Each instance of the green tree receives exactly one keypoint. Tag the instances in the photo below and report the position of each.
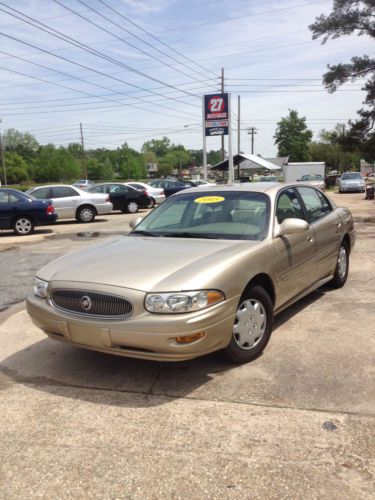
(352, 17)
(292, 137)
(99, 170)
(13, 138)
(130, 163)
(158, 146)
(55, 165)
(16, 168)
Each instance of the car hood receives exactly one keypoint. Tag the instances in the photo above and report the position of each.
(148, 264)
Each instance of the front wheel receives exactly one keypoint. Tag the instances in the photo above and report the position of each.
(252, 326)
(342, 267)
(23, 226)
(86, 214)
(131, 207)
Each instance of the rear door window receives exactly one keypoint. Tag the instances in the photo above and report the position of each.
(42, 193)
(63, 192)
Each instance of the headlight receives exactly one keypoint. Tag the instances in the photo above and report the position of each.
(40, 287)
(180, 302)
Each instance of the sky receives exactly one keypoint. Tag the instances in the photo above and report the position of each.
(135, 70)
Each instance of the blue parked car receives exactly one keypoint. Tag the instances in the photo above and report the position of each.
(21, 212)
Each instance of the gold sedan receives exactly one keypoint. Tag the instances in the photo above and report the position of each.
(206, 270)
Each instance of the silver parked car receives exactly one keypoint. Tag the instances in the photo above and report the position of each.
(84, 184)
(73, 203)
(156, 194)
(206, 270)
(315, 180)
(351, 181)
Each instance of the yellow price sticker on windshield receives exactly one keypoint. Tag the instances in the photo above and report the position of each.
(209, 199)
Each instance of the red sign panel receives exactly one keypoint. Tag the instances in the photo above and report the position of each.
(216, 114)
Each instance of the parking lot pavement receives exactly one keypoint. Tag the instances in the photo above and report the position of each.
(116, 222)
(299, 422)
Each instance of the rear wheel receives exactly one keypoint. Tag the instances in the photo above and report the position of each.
(342, 267)
(252, 326)
(131, 207)
(151, 204)
(23, 226)
(85, 214)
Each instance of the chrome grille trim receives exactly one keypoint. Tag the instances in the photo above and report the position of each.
(104, 305)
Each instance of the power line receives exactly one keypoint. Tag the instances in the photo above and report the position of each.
(267, 12)
(83, 80)
(83, 92)
(119, 38)
(97, 71)
(86, 48)
(154, 37)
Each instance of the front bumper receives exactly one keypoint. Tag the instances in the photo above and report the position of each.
(144, 335)
(355, 188)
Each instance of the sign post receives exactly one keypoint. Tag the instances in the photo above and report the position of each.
(216, 122)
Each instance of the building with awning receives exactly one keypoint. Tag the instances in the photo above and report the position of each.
(244, 162)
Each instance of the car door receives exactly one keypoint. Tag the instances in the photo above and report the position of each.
(296, 253)
(119, 195)
(6, 210)
(41, 193)
(327, 228)
(65, 200)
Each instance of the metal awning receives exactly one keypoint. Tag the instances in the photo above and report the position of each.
(247, 161)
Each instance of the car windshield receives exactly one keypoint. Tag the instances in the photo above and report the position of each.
(221, 214)
(351, 175)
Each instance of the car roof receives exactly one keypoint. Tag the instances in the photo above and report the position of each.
(53, 185)
(269, 188)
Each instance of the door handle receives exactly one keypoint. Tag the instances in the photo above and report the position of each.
(310, 239)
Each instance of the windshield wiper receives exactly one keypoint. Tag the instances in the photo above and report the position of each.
(144, 233)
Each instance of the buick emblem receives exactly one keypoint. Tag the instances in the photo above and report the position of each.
(85, 302)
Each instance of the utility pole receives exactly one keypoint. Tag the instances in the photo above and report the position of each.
(239, 126)
(83, 153)
(222, 137)
(179, 158)
(2, 159)
(252, 131)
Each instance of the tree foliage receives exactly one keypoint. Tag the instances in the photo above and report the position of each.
(12, 139)
(27, 161)
(292, 137)
(352, 17)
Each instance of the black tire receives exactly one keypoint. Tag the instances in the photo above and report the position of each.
(152, 203)
(131, 207)
(86, 214)
(246, 347)
(342, 267)
(23, 226)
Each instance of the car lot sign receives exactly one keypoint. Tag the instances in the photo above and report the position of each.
(216, 115)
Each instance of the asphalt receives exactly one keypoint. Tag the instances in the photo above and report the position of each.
(299, 422)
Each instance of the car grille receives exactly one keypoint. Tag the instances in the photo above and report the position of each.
(92, 304)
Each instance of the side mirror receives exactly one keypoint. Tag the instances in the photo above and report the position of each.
(134, 222)
(292, 226)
